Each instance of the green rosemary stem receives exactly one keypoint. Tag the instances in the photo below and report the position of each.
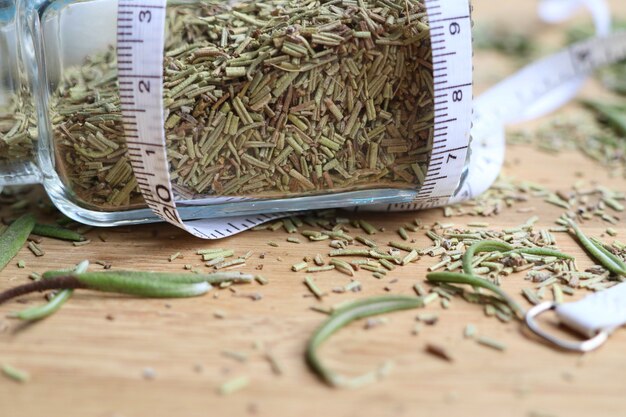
(459, 278)
(356, 310)
(540, 252)
(142, 287)
(56, 232)
(483, 246)
(616, 259)
(14, 237)
(600, 254)
(55, 303)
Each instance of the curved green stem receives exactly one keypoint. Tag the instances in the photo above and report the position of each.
(356, 310)
(48, 309)
(459, 278)
(541, 252)
(483, 246)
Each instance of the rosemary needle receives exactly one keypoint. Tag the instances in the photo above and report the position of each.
(607, 259)
(14, 237)
(615, 259)
(540, 252)
(57, 301)
(459, 278)
(143, 287)
(343, 316)
(233, 385)
(56, 232)
(15, 374)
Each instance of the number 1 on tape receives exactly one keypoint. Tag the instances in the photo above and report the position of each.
(140, 39)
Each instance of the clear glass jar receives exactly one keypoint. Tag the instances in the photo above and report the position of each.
(287, 116)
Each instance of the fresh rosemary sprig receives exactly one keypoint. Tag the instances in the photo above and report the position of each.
(139, 283)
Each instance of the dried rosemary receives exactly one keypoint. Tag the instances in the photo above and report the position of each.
(18, 127)
(270, 98)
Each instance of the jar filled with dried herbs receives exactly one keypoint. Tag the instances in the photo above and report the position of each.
(271, 100)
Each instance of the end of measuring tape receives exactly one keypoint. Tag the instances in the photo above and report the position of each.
(595, 316)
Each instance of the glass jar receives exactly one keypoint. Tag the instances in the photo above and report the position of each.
(319, 105)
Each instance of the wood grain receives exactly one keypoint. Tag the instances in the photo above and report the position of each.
(89, 359)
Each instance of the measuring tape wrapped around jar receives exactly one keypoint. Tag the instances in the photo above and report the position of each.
(221, 117)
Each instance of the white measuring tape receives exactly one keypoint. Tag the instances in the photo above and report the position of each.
(536, 89)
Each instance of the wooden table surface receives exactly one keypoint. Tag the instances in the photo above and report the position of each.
(90, 359)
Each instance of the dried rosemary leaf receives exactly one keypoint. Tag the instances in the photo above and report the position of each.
(439, 351)
(57, 232)
(492, 343)
(234, 385)
(15, 374)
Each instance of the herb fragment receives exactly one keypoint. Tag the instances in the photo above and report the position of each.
(57, 232)
(234, 385)
(311, 285)
(15, 374)
(492, 343)
(439, 351)
(470, 331)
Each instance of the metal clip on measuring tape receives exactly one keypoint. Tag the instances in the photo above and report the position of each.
(595, 316)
